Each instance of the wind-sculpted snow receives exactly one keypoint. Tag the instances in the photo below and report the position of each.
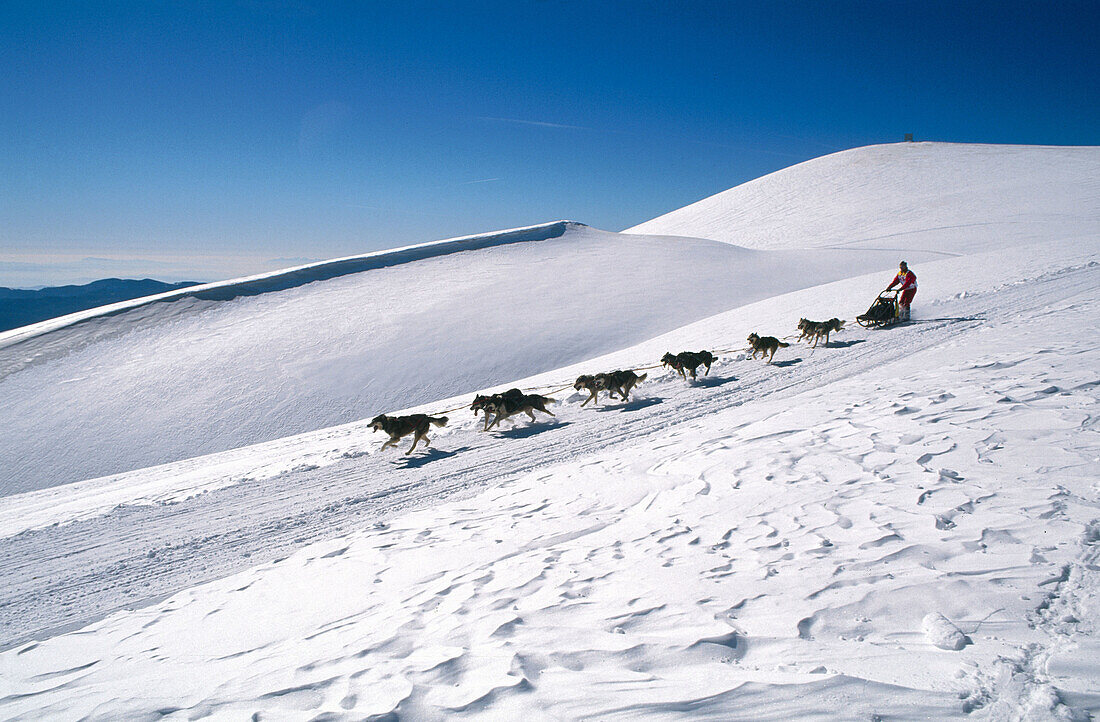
(943, 197)
(237, 363)
(899, 525)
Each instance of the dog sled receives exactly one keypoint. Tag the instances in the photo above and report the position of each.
(883, 312)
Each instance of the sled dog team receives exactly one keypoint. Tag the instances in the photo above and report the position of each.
(498, 407)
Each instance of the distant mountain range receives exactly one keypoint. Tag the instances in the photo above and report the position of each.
(21, 307)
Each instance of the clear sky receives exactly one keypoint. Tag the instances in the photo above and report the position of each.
(206, 140)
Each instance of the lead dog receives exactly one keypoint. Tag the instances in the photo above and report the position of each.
(689, 361)
(398, 426)
(765, 344)
(620, 381)
(818, 329)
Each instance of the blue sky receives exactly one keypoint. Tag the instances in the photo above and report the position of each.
(219, 138)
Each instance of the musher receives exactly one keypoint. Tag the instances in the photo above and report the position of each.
(908, 281)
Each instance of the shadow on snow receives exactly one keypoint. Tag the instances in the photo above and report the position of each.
(432, 454)
(712, 381)
(634, 405)
(844, 344)
(525, 432)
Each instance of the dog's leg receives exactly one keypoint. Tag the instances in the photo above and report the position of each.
(392, 442)
(416, 438)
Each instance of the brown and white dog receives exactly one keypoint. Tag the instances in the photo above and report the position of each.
(507, 406)
(616, 381)
(399, 426)
(819, 329)
(487, 404)
(689, 361)
(765, 344)
(509, 403)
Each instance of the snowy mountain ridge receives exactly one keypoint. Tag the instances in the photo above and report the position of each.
(983, 197)
(295, 276)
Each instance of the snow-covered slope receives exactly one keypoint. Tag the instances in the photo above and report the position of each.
(945, 197)
(225, 365)
(900, 525)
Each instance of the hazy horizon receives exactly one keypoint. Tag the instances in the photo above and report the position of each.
(208, 143)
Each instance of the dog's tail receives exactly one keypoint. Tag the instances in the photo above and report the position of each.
(438, 420)
(783, 345)
(641, 378)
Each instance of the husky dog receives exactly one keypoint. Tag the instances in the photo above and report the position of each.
(479, 404)
(592, 384)
(827, 327)
(765, 344)
(819, 329)
(398, 426)
(616, 381)
(484, 403)
(805, 327)
(514, 401)
(621, 382)
(689, 361)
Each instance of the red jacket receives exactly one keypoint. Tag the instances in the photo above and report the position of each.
(908, 280)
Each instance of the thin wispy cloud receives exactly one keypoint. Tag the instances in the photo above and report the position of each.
(743, 147)
(539, 123)
(482, 180)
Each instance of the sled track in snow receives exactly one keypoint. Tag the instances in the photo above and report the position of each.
(63, 577)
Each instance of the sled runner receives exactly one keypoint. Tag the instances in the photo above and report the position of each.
(883, 312)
